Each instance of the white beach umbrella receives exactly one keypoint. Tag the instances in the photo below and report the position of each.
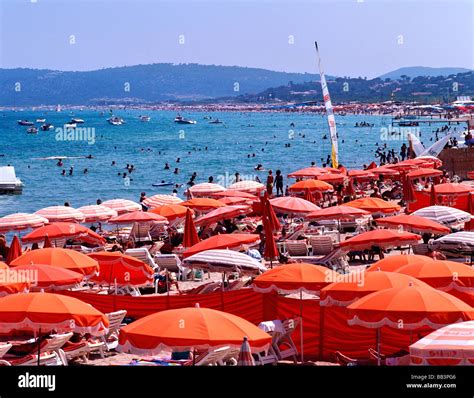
(61, 214)
(162, 200)
(457, 243)
(247, 186)
(444, 215)
(122, 205)
(19, 221)
(205, 189)
(94, 213)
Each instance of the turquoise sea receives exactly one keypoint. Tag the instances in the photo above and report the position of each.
(140, 143)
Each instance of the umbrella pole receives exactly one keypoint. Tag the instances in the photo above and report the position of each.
(378, 346)
(301, 325)
(167, 282)
(39, 346)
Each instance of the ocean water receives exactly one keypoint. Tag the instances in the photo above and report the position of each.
(228, 146)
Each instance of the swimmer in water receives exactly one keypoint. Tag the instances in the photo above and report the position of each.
(167, 166)
(176, 171)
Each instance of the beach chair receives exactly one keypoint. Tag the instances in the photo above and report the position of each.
(142, 254)
(210, 358)
(72, 351)
(4, 347)
(231, 357)
(115, 323)
(400, 358)
(158, 232)
(140, 232)
(344, 360)
(336, 260)
(237, 284)
(284, 346)
(197, 289)
(296, 248)
(211, 287)
(46, 359)
(172, 263)
(420, 248)
(321, 244)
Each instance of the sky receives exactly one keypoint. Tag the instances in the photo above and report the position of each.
(356, 37)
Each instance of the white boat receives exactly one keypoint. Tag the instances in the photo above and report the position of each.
(76, 120)
(58, 108)
(9, 183)
(40, 120)
(47, 126)
(25, 123)
(115, 121)
(70, 125)
(144, 118)
(181, 120)
(32, 130)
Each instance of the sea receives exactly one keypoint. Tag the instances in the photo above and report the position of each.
(276, 140)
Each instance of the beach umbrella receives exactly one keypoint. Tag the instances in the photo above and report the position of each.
(382, 238)
(341, 212)
(138, 217)
(64, 258)
(161, 200)
(203, 204)
(122, 206)
(395, 262)
(372, 166)
(361, 175)
(408, 308)
(185, 328)
(445, 215)
(432, 161)
(450, 345)
(333, 170)
(311, 172)
(424, 173)
(95, 213)
(432, 196)
(309, 196)
(61, 214)
(15, 250)
(292, 205)
(235, 193)
(47, 242)
(407, 165)
(350, 189)
(310, 186)
(456, 243)
(234, 201)
(245, 354)
(64, 230)
(3, 266)
(12, 286)
(222, 241)
(119, 269)
(414, 224)
(48, 277)
(46, 312)
(270, 250)
(20, 221)
(269, 213)
(333, 178)
(205, 189)
(408, 191)
(223, 260)
(452, 189)
(190, 237)
(351, 287)
(222, 213)
(384, 171)
(249, 186)
(171, 212)
(442, 274)
(374, 205)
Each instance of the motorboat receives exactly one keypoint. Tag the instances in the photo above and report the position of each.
(181, 120)
(115, 121)
(25, 123)
(144, 118)
(47, 126)
(9, 183)
(40, 120)
(76, 120)
(70, 125)
(216, 121)
(32, 130)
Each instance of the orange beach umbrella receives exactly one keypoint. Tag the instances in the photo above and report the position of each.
(191, 237)
(393, 263)
(202, 204)
(61, 230)
(413, 223)
(222, 241)
(382, 238)
(48, 277)
(374, 205)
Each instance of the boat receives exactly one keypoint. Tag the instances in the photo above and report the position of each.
(76, 120)
(70, 125)
(58, 108)
(216, 121)
(47, 126)
(9, 183)
(40, 120)
(115, 121)
(144, 118)
(25, 123)
(163, 184)
(181, 120)
(32, 130)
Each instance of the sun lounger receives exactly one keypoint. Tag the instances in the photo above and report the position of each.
(71, 351)
(142, 254)
(172, 263)
(115, 323)
(4, 349)
(140, 233)
(55, 342)
(158, 232)
(336, 260)
(237, 284)
(344, 360)
(296, 248)
(47, 359)
(401, 358)
(321, 245)
(284, 346)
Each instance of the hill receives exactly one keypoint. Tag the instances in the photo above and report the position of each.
(414, 71)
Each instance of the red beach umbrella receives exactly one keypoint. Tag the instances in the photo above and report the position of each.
(15, 250)
(190, 235)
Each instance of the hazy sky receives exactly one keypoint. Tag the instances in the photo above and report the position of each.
(356, 37)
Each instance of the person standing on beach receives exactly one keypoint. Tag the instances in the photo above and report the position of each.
(270, 183)
(279, 183)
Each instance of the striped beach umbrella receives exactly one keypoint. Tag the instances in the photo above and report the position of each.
(292, 205)
(94, 213)
(205, 189)
(457, 243)
(138, 217)
(122, 205)
(311, 172)
(444, 215)
(162, 200)
(222, 213)
(61, 213)
(245, 355)
(20, 221)
(247, 186)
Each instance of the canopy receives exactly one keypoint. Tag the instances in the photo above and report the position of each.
(383, 238)
(58, 257)
(361, 174)
(308, 172)
(94, 213)
(222, 260)
(457, 243)
(374, 205)
(161, 200)
(205, 189)
(203, 204)
(48, 312)
(122, 205)
(453, 189)
(247, 186)
(292, 205)
(234, 193)
(414, 223)
(311, 186)
(171, 212)
(61, 213)
(423, 173)
(138, 217)
(235, 200)
(21, 285)
(393, 263)
(337, 213)
(186, 328)
(411, 307)
(48, 277)
(444, 215)
(295, 277)
(384, 171)
(222, 213)
(64, 230)
(19, 221)
(222, 241)
(332, 178)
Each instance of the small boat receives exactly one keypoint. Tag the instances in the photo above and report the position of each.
(32, 130)
(115, 121)
(70, 125)
(25, 123)
(163, 184)
(216, 121)
(78, 121)
(58, 108)
(9, 183)
(40, 120)
(144, 118)
(47, 126)
(181, 120)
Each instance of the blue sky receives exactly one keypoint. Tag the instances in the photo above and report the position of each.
(356, 38)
